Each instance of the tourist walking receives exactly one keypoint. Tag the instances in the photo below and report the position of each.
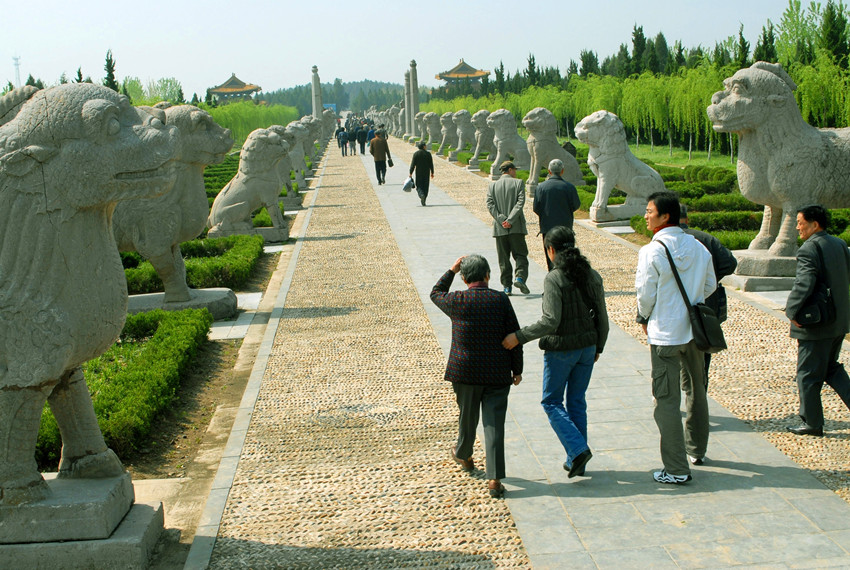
(352, 141)
(822, 259)
(343, 141)
(480, 369)
(505, 200)
(572, 332)
(380, 150)
(362, 137)
(677, 363)
(422, 165)
(554, 202)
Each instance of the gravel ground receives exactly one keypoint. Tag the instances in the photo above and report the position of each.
(753, 379)
(346, 463)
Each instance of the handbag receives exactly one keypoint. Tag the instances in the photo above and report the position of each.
(408, 184)
(708, 336)
(390, 162)
(819, 308)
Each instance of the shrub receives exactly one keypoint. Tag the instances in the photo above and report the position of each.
(135, 380)
(725, 221)
(586, 194)
(262, 219)
(720, 202)
(484, 166)
(638, 224)
(463, 157)
(212, 262)
(736, 239)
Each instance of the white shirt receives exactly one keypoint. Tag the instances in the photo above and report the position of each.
(658, 295)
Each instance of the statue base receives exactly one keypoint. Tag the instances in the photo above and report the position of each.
(131, 545)
(76, 509)
(758, 270)
(473, 164)
(453, 156)
(220, 301)
(617, 212)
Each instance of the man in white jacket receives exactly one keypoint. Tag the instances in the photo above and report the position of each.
(677, 364)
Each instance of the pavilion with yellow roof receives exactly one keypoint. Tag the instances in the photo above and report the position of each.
(462, 72)
(234, 89)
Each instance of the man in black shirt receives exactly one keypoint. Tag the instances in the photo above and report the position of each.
(555, 201)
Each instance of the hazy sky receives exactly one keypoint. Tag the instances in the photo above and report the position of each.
(274, 44)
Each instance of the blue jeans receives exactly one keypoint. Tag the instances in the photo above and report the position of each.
(566, 375)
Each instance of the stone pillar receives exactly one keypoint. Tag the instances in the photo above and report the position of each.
(406, 126)
(317, 94)
(414, 98)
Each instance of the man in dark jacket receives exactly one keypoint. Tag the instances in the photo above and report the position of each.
(480, 369)
(381, 153)
(362, 137)
(554, 202)
(724, 264)
(423, 164)
(826, 258)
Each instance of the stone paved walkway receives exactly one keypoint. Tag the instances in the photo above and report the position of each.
(340, 459)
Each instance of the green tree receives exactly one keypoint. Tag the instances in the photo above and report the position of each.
(662, 53)
(572, 69)
(532, 74)
(209, 100)
(132, 87)
(589, 63)
(650, 59)
(765, 49)
(832, 36)
(38, 83)
(195, 101)
(500, 79)
(340, 97)
(7, 88)
(797, 32)
(109, 67)
(638, 47)
(485, 86)
(63, 79)
(741, 56)
(79, 77)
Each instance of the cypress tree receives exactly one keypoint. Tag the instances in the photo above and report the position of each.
(833, 33)
(109, 67)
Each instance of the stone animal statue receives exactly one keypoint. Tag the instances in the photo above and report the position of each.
(783, 162)
(465, 132)
(543, 146)
(432, 122)
(256, 184)
(483, 138)
(615, 166)
(328, 123)
(296, 152)
(400, 120)
(448, 133)
(508, 142)
(68, 154)
(155, 227)
(421, 131)
(284, 167)
(392, 119)
(314, 134)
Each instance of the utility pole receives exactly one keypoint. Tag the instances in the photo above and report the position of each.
(17, 60)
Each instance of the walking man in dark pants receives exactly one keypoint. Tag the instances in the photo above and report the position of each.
(423, 165)
(554, 202)
(381, 152)
(505, 200)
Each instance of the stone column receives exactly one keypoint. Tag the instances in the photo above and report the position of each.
(317, 94)
(414, 98)
(406, 127)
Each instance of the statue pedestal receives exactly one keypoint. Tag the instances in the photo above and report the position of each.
(220, 301)
(473, 164)
(758, 270)
(617, 212)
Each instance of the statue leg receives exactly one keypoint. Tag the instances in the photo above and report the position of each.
(84, 452)
(770, 223)
(20, 415)
(172, 270)
(786, 242)
(278, 221)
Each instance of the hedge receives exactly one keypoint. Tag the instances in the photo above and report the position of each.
(135, 380)
(212, 262)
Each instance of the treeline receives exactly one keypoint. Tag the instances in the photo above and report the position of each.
(354, 95)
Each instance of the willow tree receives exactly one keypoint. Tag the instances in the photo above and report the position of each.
(821, 91)
(690, 95)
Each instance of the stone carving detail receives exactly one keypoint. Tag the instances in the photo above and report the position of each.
(155, 227)
(68, 154)
(421, 131)
(465, 132)
(256, 184)
(615, 166)
(483, 138)
(508, 142)
(783, 162)
(432, 122)
(543, 146)
(448, 132)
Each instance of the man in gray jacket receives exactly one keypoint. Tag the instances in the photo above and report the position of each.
(505, 200)
(819, 346)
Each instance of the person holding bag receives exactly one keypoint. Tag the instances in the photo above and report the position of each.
(421, 166)
(823, 269)
(572, 332)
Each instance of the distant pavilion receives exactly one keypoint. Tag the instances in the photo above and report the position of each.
(234, 89)
(462, 72)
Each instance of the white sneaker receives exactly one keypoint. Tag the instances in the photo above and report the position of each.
(696, 460)
(664, 477)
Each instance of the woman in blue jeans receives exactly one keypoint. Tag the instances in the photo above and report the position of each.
(572, 332)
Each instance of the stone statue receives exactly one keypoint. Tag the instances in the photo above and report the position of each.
(296, 152)
(314, 133)
(432, 123)
(284, 167)
(328, 123)
(256, 184)
(155, 227)
(508, 142)
(615, 166)
(400, 120)
(783, 162)
(543, 146)
(483, 138)
(421, 129)
(448, 132)
(465, 132)
(68, 154)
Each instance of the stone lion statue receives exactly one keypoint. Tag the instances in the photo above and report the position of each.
(432, 122)
(448, 133)
(314, 133)
(483, 138)
(421, 131)
(783, 162)
(68, 155)
(296, 152)
(155, 227)
(615, 166)
(284, 168)
(328, 123)
(543, 147)
(256, 184)
(509, 145)
(465, 132)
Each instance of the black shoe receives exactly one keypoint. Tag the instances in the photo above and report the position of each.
(805, 429)
(579, 462)
(422, 200)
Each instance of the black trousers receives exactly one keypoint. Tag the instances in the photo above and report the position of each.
(381, 170)
(491, 403)
(363, 147)
(422, 185)
(817, 362)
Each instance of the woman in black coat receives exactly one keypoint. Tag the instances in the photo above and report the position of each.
(423, 165)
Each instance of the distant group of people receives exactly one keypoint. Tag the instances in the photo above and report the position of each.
(486, 355)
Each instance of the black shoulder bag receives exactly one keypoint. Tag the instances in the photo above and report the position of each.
(819, 308)
(708, 336)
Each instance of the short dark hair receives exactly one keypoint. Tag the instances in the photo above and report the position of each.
(666, 203)
(815, 213)
(474, 268)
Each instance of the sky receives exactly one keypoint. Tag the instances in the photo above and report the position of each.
(275, 43)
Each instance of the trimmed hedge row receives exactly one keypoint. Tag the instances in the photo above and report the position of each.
(135, 380)
(213, 262)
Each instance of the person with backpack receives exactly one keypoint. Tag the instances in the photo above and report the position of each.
(342, 137)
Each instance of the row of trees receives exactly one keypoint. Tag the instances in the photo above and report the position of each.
(356, 95)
